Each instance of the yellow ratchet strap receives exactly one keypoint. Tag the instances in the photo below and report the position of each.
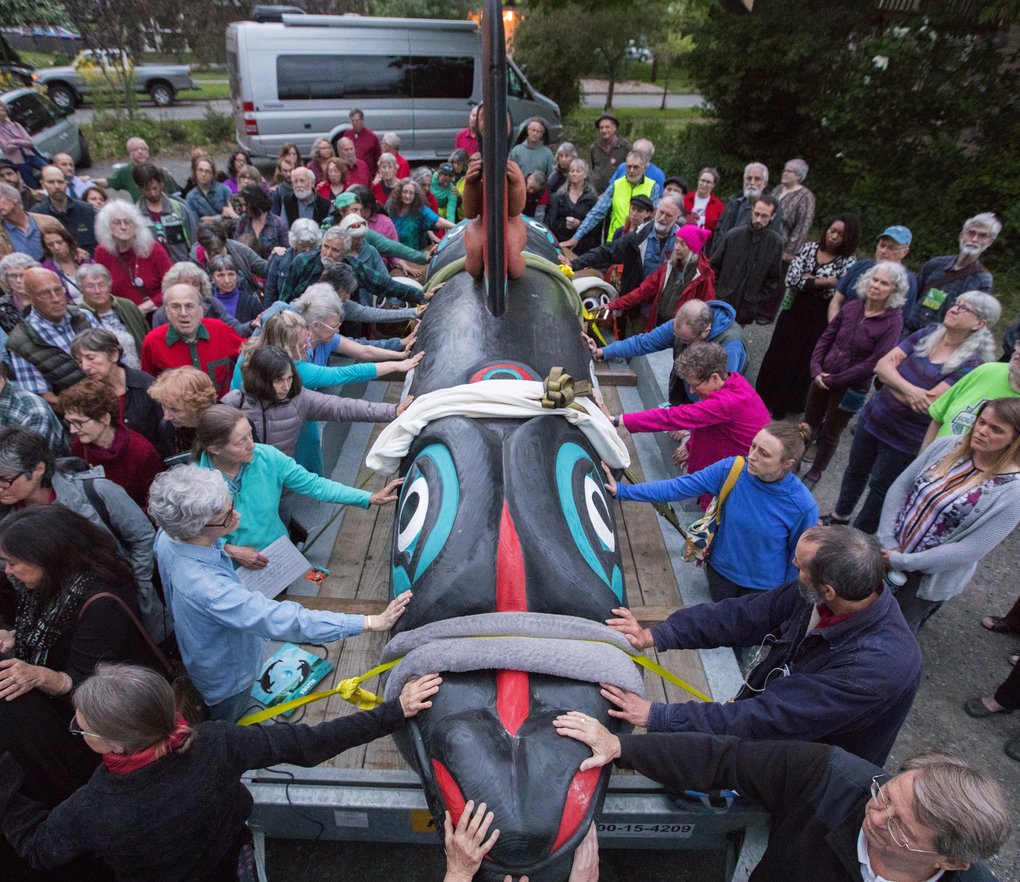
(590, 316)
(669, 676)
(349, 690)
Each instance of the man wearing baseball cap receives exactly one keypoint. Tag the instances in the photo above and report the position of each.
(893, 244)
(606, 152)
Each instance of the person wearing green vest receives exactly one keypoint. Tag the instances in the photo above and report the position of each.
(615, 199)
(121, 178)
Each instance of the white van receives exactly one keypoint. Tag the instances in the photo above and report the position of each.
(297, 80)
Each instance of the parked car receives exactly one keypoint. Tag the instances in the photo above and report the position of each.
(69, 86)
(51, 127)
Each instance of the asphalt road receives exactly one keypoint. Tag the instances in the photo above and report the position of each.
(192, 109)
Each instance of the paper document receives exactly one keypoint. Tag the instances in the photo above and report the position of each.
(286, 564)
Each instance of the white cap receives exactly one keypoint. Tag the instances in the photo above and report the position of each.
(355, 224)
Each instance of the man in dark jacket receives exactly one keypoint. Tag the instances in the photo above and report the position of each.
(835, 817)
(642, 251)
(841, 668)
(738, 207)
(943, 279)
(304, 201)
(748, 264)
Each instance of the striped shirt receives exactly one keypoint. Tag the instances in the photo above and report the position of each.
(937, 506)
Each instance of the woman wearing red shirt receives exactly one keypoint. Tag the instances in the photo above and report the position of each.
(91, 410)
(135, 260)
(702, 206)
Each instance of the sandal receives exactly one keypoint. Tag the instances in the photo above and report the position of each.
(831, 519)
(997, 625)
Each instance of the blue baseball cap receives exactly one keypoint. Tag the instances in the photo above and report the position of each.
(897, 234)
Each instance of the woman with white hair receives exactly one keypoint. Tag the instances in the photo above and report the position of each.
(845, 356)
(797, 205)
(222, 627)
(324, 312)
(893, 422)
(566, 153)
(304, 236)
(135, 260)
(386, 179)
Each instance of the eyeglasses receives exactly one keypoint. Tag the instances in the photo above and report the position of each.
(182, 307)
(892, 824)
(74, 730)
(7, 480)
(962, 307)
(328, 327)
(226, 521)
(122, 222)
(77, 424)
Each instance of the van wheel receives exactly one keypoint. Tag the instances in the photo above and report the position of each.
(84, 157)
(162, 94)
(62, 96)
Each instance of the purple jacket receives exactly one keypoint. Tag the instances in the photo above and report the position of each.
(851, 345)
(722, 424)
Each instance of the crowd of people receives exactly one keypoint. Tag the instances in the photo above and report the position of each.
(164, 351)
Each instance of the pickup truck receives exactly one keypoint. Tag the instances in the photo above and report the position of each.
(69, 86)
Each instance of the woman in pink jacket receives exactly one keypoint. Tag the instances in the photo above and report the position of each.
(721, 423)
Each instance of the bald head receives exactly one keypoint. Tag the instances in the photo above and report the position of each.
(693, 321)
(45, 292)
(64, 162)
(54, 183)
(345, 147)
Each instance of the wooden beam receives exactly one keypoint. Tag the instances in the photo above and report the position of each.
(646, 615)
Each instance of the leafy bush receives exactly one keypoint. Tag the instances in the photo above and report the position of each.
(108, 131)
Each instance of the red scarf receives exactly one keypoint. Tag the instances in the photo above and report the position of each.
(119, 764)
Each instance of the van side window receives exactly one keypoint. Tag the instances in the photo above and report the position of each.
(443, 77)
(312, 77)
(514, 86)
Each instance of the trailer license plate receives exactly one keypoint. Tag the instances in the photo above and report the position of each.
(680, 831)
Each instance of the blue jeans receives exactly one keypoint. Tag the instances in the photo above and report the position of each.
(233, 708)
(875, 464)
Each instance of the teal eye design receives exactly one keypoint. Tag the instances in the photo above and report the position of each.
(425, 514)
(587, 513)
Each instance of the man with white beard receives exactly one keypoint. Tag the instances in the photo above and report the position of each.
(738, 207)
(943, 279)
(304, 201)
(835, 660)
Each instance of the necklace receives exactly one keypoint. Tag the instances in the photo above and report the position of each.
(137, 281)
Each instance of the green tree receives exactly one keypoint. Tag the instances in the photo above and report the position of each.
(554, 65)
(19, 12)
(904, 119)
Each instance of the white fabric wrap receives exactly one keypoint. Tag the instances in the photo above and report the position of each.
(538, 643)
(492, 399)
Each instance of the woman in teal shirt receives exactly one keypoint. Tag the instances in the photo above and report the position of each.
(257, 475)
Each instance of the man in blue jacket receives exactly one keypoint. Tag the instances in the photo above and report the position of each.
(713, 321)
(836, 662)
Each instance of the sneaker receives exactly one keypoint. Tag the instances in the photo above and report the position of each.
(831, 519)
(812, 478)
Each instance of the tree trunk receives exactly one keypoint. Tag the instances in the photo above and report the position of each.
(655, 67)
(665, 85)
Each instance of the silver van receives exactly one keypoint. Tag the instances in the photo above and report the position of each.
(297, 80)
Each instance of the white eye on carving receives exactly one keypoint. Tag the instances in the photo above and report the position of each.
(413, 510)
(598, 512)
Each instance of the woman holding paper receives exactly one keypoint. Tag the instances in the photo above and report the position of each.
(257, 475)
(222, 627)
